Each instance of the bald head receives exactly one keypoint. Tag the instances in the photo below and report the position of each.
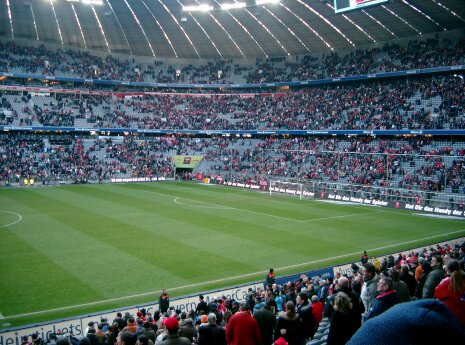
(343, 282)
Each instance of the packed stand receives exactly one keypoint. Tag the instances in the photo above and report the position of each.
(417, 170)
(417, 104)
(391, 57)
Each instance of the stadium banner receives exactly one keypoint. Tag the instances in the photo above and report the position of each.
(189, 162)
(415, 205)
(78, 325)
(321, 273)
(138, 179)
(347, 269)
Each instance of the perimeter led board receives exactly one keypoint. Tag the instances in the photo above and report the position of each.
(350, 5)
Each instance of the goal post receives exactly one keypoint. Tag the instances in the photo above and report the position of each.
(286, 188)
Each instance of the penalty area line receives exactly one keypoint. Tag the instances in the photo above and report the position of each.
(71, 307)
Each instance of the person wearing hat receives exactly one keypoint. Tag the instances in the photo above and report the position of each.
(172, 336)
(419, 322)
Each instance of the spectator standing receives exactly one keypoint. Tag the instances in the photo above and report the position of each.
(288, 324)
(270, 278)
(344, 322)
(201, 306)
(403, 295)
(120, 320)
(317, 310)
(369, 287)
(187, 328)
(426, 269)
(212, 334)
(408, 279)
(266, 320)
(364, 258)
(242, 328)
(434, 277)
(386, 299)
(451, 290)
(163, 302)
(172, 327)
(307, 327)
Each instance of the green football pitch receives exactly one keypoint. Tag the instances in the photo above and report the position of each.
(78, 249)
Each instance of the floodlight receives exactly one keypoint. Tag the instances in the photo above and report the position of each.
(265, 2)
(197, 8)
(234, 5)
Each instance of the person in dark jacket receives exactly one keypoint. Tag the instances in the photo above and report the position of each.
(344, 322)
(212, 334)
(386, 298)
(202, 306)
(288, 324)
(421, 283)
(270, 278)
(266, 320)
(307, 327)
(408, 279)
(163, 302)
(434, 277)
(343, 285)
(187, 328)
(92, 336)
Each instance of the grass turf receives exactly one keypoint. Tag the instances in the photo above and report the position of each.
(76, 246)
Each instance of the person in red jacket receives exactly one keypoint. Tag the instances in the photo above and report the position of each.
(451, 290)
(317, 309)
(242, 328)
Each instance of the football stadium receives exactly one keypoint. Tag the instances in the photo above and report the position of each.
(232, 172)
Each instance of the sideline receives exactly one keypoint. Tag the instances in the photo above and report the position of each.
(20, 218)
(227, 278)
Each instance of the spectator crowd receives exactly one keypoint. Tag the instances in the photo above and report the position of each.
(415, 54)
(360, 308)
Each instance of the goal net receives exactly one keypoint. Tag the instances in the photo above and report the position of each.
(299, 190)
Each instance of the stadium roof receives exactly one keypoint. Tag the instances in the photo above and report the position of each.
(161, 29)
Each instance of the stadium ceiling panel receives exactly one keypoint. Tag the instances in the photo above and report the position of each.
(162, 29)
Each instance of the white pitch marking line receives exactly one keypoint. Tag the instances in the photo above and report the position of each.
(20, 218)
(228, 278)
(207, 205)
(255, 212)
(232, 208)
